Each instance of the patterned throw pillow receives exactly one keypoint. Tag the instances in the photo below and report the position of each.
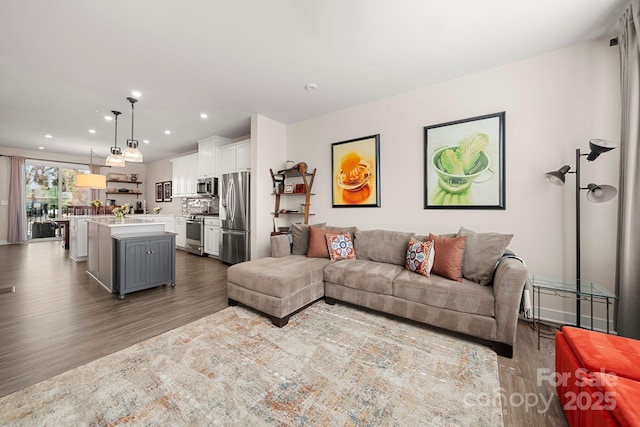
(420, 256)
(340, 246)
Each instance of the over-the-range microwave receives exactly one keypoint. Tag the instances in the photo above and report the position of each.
(207, 187)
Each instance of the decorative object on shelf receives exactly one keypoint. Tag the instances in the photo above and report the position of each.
(121, 212)
(117, 177)
(157, 209)
(288, 188)
(91, 180)
(166, 190)
(355, 171)
(115, 159)
(298, 171)
(159, 192)
(131, 153)
(288, 164)
(134, 177)
(462, 153)
(595, 193)
(299, 188)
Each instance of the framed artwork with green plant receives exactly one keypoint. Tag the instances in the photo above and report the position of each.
(464, 163)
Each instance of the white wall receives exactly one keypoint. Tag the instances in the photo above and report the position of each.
(554, 104)
(161, 171)
(268, 150)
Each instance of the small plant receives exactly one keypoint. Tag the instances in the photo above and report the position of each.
(121, 211)
(96, 204)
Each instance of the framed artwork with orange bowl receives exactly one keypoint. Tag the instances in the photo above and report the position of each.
(355, 172)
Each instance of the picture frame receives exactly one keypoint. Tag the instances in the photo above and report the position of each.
(167, 191)
(288, 188)
(360, 185)
(159, 192)
(464, 163)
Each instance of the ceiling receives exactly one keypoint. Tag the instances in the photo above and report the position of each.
(65, 64)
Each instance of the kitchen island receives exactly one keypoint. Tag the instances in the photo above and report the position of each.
(100, 244)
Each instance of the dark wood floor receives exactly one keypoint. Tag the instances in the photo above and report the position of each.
(59, 318)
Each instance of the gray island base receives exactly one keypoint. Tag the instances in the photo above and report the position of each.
(102, 237)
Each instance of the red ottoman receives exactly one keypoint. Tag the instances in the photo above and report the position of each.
(580, 354)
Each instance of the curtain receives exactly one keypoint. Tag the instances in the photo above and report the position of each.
(95, 194)
(628, 265)
(17, 212)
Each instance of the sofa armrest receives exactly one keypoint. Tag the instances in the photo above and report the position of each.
(508, 283)
(280, 246)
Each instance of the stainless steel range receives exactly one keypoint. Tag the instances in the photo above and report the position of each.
(195, 234)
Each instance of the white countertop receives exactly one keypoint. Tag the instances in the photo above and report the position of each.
(112, 221)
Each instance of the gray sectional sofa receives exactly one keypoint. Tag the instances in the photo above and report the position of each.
(288, 281)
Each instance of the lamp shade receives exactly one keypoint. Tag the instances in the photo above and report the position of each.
(600, 193)
(557, 177)
(91, 180)
(599, 146)
(132, 154)
(115, 159)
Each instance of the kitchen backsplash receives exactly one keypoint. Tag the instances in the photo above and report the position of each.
(200, 206)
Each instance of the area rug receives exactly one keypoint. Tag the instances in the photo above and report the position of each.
(330, 366)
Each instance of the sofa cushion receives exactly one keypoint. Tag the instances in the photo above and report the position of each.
(437, 291)
(340, 246)
(300, 234)
(278, 277)
(382, 245)
(621, 397)
(420, 256)
(481, 254)
(449, 253)
(318, 242)
(364, 275)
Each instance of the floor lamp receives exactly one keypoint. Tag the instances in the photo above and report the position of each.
(595, 193)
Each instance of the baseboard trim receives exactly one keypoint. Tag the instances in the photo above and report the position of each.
(563, 318)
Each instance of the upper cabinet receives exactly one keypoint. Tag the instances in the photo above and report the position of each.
(185, 175)
(234, 157)
(208, 156)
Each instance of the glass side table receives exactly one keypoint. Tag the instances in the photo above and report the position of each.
(589, 291)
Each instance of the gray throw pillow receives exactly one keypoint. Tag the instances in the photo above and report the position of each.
(300, 234)
(481, 254)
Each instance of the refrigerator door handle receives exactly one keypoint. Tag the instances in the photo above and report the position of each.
(232, 199)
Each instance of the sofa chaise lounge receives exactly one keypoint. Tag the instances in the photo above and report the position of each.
(378, 279)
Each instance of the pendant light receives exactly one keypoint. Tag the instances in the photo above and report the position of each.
(131, 153)
(115, 159)
(91, 180)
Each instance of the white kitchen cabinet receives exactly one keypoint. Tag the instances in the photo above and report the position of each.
(181, 232)
(185, 175)
(168, 221)
(212, 236)
(78, 239)
(234, 157)
(243, 155)
(208, 156)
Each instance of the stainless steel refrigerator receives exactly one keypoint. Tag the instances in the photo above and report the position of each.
(235, 217)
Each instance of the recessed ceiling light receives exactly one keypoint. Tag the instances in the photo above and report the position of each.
(167, 132)
(146, 141)
(108, 118)
(92, 131)
(40, 148)
(310, 87)
(136, 93)
(48, 136)
(203, 115)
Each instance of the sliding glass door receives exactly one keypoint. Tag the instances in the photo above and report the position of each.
(50, 189)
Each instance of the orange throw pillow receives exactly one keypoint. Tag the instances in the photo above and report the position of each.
(318, 242)
(448, 260)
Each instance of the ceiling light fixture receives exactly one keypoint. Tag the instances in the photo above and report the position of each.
(40, 148)
(203, 115)
(310, 87)
(92, 131)
(146, 141)
(115, 159)
(131, 153)
(167, 132)
(108, 118)
(91, 180)
(48, 136)
(136, 93)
